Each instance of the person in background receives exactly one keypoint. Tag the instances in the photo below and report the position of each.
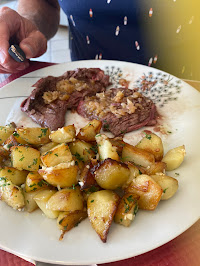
(161, 34)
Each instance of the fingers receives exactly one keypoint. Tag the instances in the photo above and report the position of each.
(34, 45)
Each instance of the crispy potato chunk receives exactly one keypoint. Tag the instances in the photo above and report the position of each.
(127, 209)
(105, 148)
(118, 143)
(57, 155)
(174, 158)
(41, 198)
(67, 199)
(11, 194)
(61, 175)
(134, 171)
(153, 144)
(30, 204)
(87, 179)
(25, 158)
(89, 132)
(64, 134)
(4, 154)
(82, 150)
(68, 220)
(16, 176)
(137, 156)
(149, 191)
(168, 184)
(5, 132)
(111, 174)
(46, 147)
(102, 206)
(157, 167)
(14, 140)
(34, 135)
(35, 182)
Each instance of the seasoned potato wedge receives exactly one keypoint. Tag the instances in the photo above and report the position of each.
(105, 148)
(34, 135)
(35, 182)
(46, 147)
(168, 184)
(111, 174)
(149, 191)
(25, 158)
(62, 175)
(127, 209)
(41, 198)
(14, 140)
(11, 194)
(89, 132)
(134, 171)
(118, 143)
(30, 204)
(157, 167)
(64, 134)
(174, 158)
(5, 132)
(137, 156)
(102, 206)
(82, 150)
(58, 154)
(68, 220)
(67, 199)
(17, 177)
(153, 144)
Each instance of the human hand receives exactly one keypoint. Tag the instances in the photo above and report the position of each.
(22, 31)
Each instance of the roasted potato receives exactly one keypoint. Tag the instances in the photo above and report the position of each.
(64, 134)
(25, 158)
(59, 154)
(41, 198)
(127, 209)
(11, 194)
(62, 175)
(153, 144)
(34, 135)
(4, 154)
(137, 156)
(101, 208)
(105, 148)
(46, 147)
(67, 220)
(17, 177)
(174, 158)
(89, 132)
(111, 174)
(5, 132)
(14, 140)
(118, 143)
(149, 191)
(35, 182)
(87, 179)
(67, 199)
(157, 167)
(134, 171)
(82, 150)
(30, 204)
(168, 184)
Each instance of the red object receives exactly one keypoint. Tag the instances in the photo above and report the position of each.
(182, 251)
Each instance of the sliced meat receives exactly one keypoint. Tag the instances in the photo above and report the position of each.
(120, 110)
(52, 96)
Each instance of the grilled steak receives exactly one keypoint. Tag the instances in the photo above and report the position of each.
(120, 110)
(52, 96)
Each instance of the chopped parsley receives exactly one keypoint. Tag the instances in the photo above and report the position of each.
(78, 157)
(130, 199)
(15, 134)
(164, 191)
(22, 158)
(61, 221)
(56, 154)
(92, 189)
(35, 161)
(136, 209)
(140, 172)
(94, 149)
(169, 132)
(148, 136)
(92, 201)
(44, 132)
(9, 171)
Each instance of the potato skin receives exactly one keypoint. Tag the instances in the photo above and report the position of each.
(111, 174)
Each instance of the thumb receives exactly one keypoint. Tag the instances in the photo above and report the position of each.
(34, 45)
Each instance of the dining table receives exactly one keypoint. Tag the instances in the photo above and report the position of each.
(184, 250)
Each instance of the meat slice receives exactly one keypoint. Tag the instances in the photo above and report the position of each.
(52, 96)
(120, 110)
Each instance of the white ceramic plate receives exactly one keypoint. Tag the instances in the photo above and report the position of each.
(34, 236)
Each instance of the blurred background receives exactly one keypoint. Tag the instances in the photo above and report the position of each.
(58, 50)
